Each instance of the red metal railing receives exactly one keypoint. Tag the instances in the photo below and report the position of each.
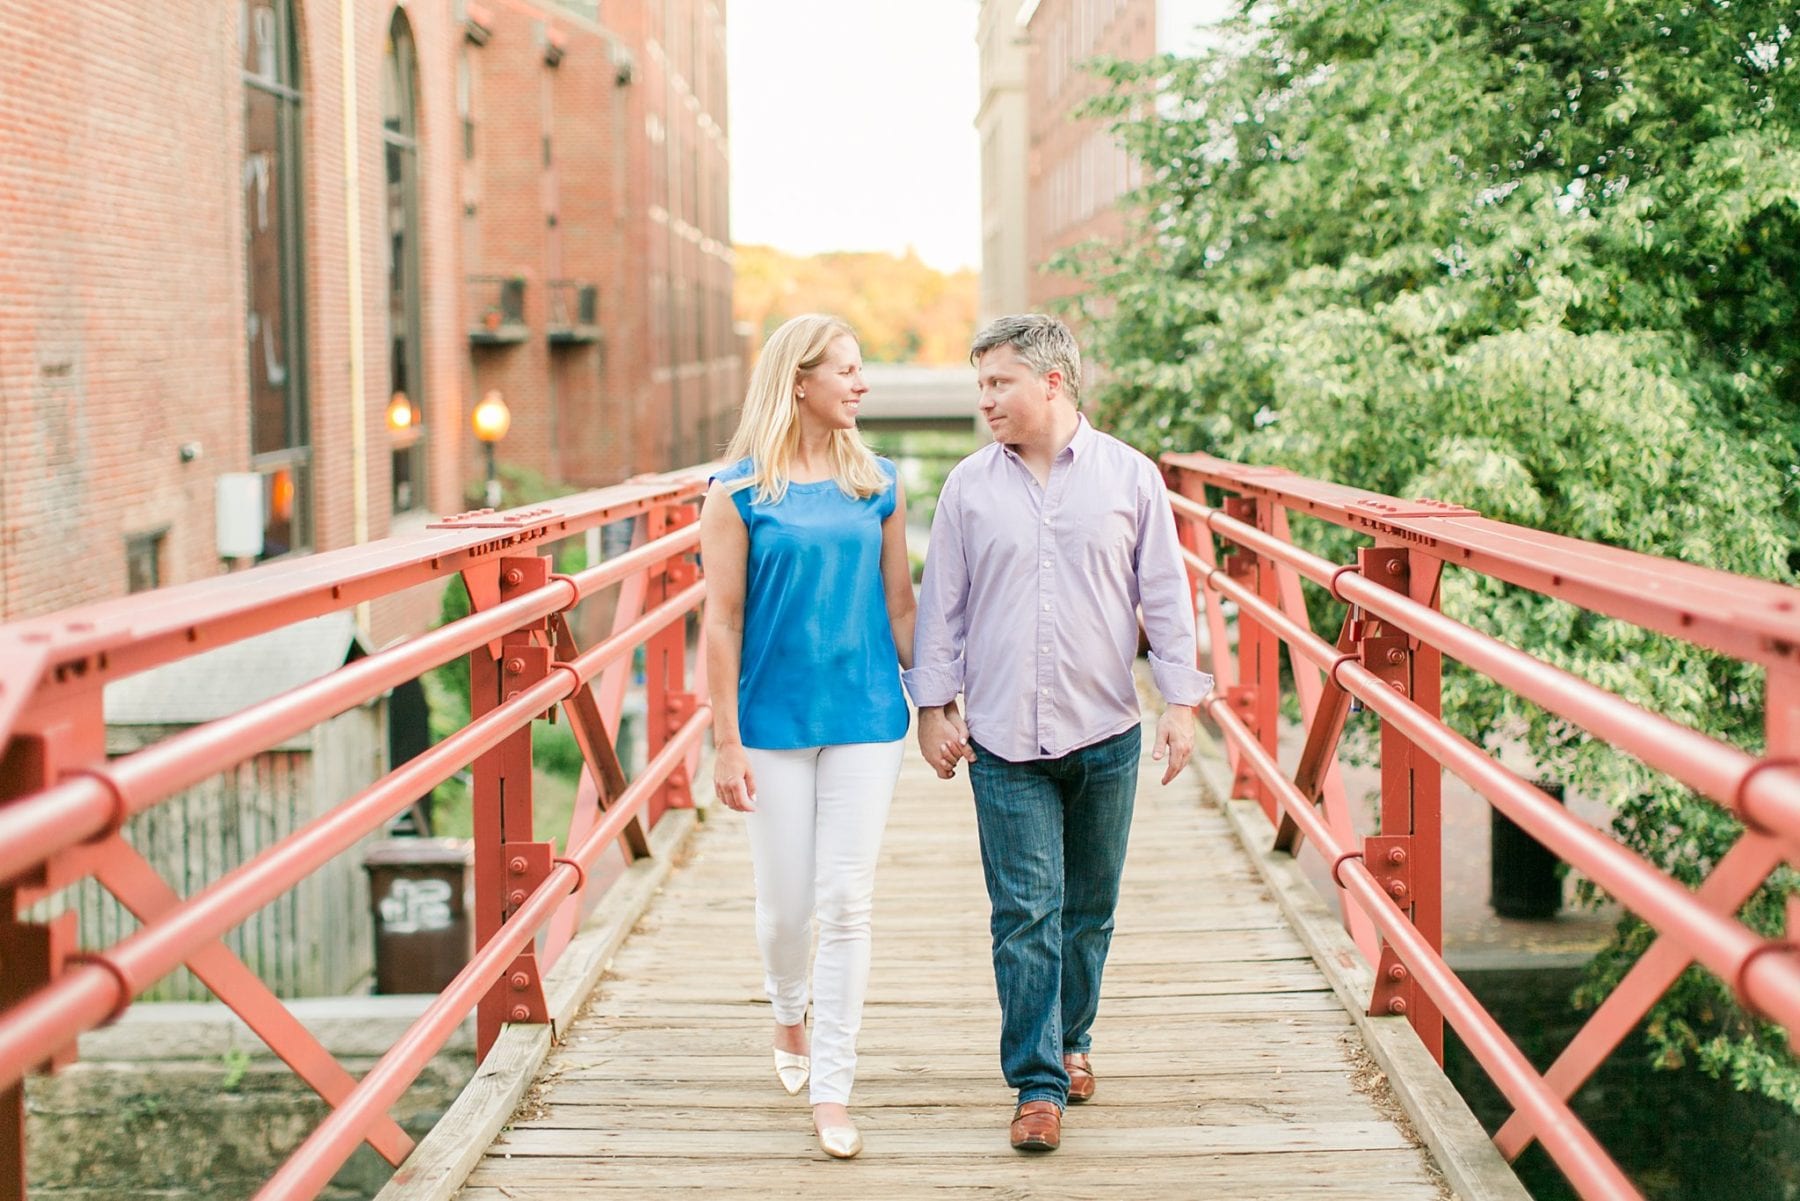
(1388, 656)
(63, 803)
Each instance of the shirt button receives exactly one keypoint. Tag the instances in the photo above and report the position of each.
(1043, 692)
(1046, 608)
(1046, 562)
(1046, 521)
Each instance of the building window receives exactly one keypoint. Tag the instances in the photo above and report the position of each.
(275, 291)
(143, 560)
(399, 132)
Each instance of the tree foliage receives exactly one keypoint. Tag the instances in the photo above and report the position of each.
(1541, 260)
(902, 310)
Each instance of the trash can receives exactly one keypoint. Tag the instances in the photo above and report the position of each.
(418, 900)
(1522, 876)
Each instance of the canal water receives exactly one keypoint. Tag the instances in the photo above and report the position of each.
(1681, 1135)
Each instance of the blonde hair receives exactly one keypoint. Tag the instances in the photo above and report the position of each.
(768, 433)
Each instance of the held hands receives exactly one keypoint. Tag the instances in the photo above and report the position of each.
(944, 739)
(1174, 739)
(732, 782)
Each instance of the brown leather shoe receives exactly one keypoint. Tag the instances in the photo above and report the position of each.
(1081, 1078)
(1037, 1126)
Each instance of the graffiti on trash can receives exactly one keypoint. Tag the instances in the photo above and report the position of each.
(412, 906)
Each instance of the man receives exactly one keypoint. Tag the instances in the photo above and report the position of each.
(1044, 546)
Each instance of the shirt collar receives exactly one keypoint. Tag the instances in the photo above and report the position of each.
(1078, 445)
(1084, 437)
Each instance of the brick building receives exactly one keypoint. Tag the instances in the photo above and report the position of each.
(696, 358)
(1075, 169)
(594, 231)
(232, 245)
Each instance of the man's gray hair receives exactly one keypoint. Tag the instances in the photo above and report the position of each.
(1043, 341)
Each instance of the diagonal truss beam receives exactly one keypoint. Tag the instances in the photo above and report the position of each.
(1740, 873)
(125, 873)
(598, 744)
(1325, 706)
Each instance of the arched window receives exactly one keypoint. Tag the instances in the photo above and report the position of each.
(399, 133)
(275, 291)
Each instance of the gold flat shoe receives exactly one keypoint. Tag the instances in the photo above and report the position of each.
(792, 1070)
(840, 1142)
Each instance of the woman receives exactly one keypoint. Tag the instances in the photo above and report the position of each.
(808, 596)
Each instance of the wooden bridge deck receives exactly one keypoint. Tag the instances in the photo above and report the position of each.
(1228, 1067)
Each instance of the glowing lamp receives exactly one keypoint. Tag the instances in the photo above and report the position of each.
(281, 495)
(492, 418)
(400, 415)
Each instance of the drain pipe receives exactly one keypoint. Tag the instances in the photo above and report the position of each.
(359, 449)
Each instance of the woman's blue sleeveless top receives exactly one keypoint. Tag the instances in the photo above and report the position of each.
(818, 666)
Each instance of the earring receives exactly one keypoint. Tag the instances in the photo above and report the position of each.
(800, 395)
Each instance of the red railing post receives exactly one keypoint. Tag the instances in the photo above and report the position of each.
(667, 701)
(31, 955)
(656, 667)
(54, 737)
(1268, 653)
(1257, 695)
(1189, 533)
(1781, 719)
(508, 862)
(1407, 857)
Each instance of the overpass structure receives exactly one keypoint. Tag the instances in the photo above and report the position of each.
(904, 398)
(1251, 1046)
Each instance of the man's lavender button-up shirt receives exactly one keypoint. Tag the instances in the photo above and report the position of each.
(1028, 607)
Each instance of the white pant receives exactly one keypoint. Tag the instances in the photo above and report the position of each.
(814, 838)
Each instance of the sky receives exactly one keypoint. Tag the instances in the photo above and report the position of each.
(853, 127)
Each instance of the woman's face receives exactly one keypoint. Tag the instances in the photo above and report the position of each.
(830, 394)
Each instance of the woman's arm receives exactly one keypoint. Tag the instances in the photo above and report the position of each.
(725, 554)
(896, 577)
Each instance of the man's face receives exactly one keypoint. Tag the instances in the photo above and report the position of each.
(1015, 401)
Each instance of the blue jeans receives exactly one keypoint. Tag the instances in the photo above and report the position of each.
(1053, 836)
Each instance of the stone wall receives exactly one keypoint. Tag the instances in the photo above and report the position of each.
(182, 1102)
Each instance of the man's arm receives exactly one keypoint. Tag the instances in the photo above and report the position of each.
(1166, 597)
(936, 675)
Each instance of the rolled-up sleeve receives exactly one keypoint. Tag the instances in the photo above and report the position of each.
(1166, 597)
(936, 677)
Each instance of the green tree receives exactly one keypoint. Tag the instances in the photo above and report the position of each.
(1536, 259)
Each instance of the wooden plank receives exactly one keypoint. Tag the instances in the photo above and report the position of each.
(899, 938)
(902, 1032)
(1328, 1176)
(957, 1139)
(1220, 1035)
(928, 990)
(1227, 1098)
(881, 1072)
(1321, 1001)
